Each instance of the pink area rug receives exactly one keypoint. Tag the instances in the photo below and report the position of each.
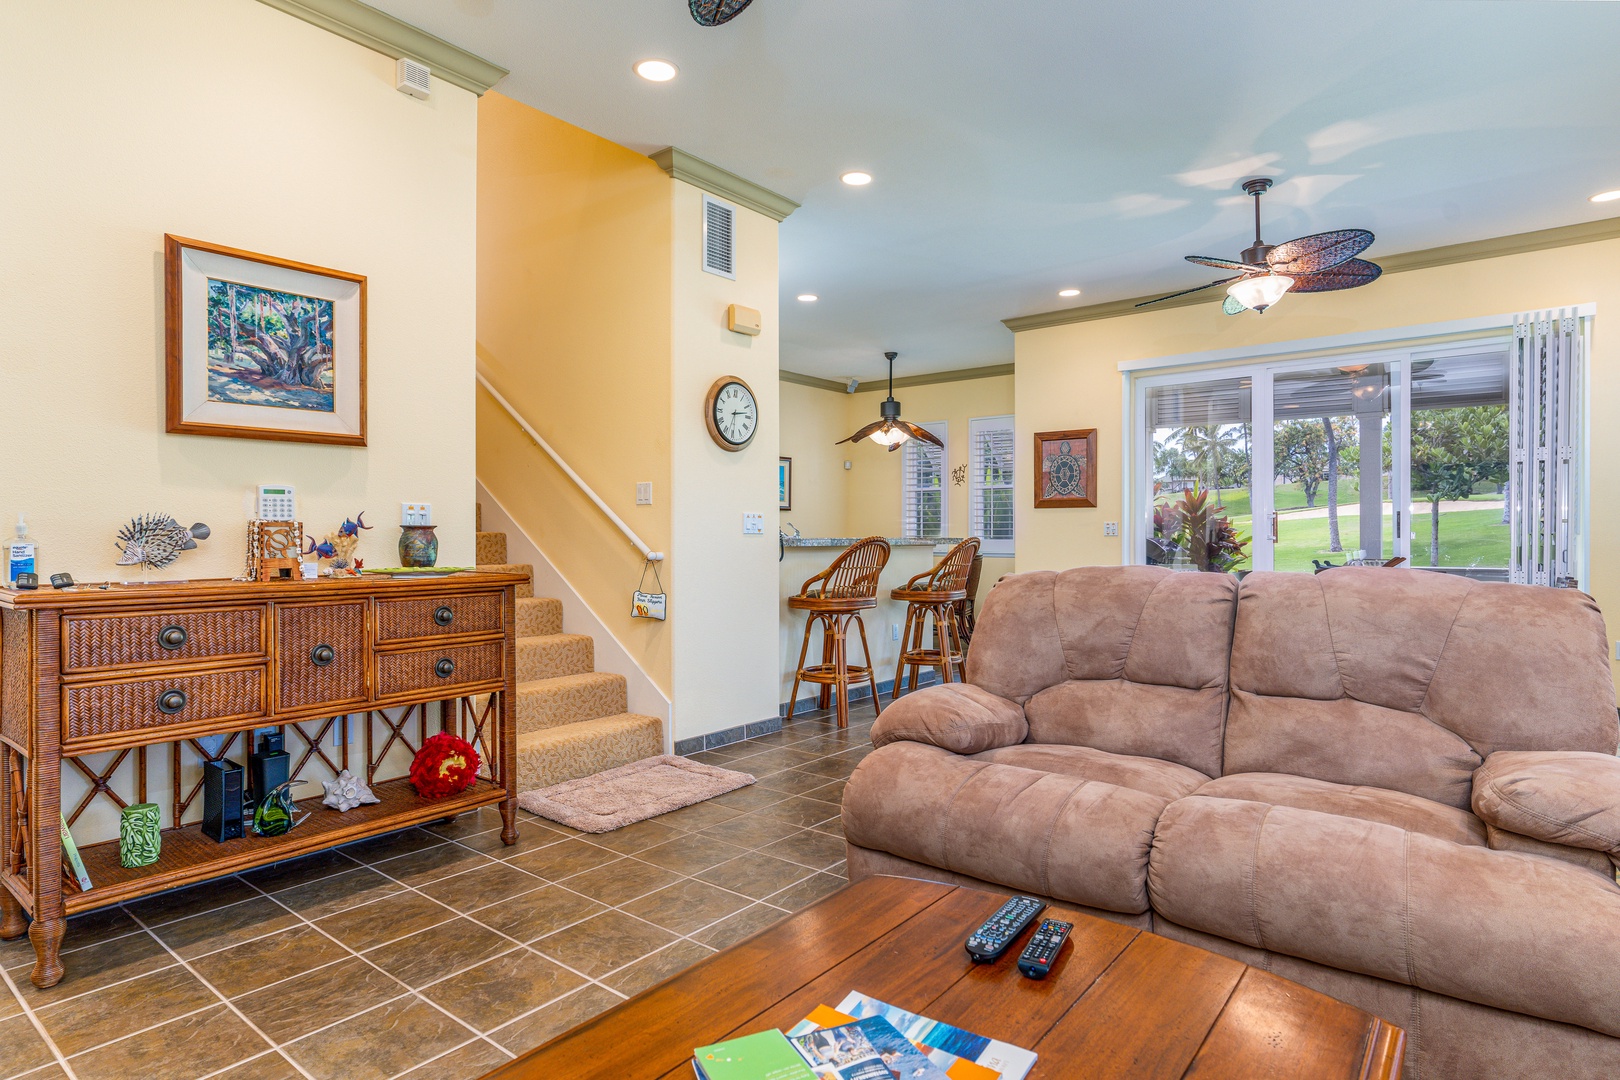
(631, 793)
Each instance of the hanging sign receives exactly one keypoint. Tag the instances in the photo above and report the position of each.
(649, 605)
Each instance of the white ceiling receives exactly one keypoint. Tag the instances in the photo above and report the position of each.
(1022, 146)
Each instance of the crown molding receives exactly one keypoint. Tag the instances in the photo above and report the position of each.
(958, 375)
(1495, 247)
(717, 181)
(374, 29)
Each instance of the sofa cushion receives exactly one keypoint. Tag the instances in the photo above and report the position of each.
(1498, 928)
(1162, 778)
(1057, 834)
(1128, 659)
(1395, 808)
(1406, 679)
(954, 716)
(1562, 798)
(1595, 861)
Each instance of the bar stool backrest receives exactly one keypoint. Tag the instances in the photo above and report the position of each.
(951, 572)
(854, 574)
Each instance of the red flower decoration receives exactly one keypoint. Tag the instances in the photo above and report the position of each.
(444, 766)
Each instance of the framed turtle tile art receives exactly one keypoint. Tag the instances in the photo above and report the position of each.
(1066, 468)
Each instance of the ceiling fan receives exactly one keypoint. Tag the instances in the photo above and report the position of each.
(1322, 262)
(716, 12)
(891, 431)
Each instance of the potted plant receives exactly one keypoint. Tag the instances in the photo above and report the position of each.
(1200, 532)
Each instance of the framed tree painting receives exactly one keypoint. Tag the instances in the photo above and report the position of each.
(263, 348)
(784, 483)
(1066, 468)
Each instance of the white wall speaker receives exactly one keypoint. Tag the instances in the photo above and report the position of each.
(413, 78)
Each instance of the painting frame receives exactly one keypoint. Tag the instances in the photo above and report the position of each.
(295, 412)
(784, 483)
(1044, 498)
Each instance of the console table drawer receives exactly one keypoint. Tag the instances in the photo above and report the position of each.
(438, 616)
(92, 710)
(91, 642)
(439, 669)
(320, 654)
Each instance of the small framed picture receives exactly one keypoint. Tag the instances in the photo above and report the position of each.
(784, 483)
(1066, 468)
(263, 348)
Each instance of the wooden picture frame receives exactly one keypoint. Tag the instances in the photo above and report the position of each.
(262, 348)
(784, 483)
(1066, 468)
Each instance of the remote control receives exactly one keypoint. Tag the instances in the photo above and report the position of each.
(1043, 948)
(1002, 929)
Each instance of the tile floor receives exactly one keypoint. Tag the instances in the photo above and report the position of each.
(435, 952)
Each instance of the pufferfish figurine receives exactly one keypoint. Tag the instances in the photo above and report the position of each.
(156, 540)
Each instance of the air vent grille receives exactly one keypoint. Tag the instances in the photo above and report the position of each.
(412, 78)
(719, 226)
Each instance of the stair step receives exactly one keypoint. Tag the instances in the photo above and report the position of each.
(591, 746)
(513, 568)
(539, 615)
(549, 655)
(491, 547)
(569, 699)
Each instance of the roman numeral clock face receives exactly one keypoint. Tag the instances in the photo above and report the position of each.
(733, 414)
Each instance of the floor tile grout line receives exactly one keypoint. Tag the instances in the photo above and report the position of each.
(149, 1027)
(39, 1027)
(274, 1051)
(445, 1053)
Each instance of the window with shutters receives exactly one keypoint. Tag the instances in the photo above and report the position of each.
(990, 483)
(922, 492)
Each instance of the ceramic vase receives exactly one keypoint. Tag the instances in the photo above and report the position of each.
(418, 545)
(139, 841)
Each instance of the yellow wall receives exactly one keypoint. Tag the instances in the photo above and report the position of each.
(813, 420)
(1068, 376)
(230, 122)
(574, 328)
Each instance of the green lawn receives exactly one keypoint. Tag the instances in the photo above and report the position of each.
(1467, 538)
(1290, 497)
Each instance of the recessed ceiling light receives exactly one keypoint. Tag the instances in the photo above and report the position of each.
(808, 297)
(857, 178)
(1068, 292)
(1606, 196)
(656, 70)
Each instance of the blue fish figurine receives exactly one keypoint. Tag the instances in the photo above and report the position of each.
(323, 550)
(352, 528)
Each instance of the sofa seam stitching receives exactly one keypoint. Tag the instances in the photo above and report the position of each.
(1253, 875)
(1494, 789)
(1428, 688)
(1327, 620)
(1406, 907)
(1135, 625)
(944, 818)
(1051, 832)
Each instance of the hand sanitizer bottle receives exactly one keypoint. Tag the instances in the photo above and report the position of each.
(22, 554)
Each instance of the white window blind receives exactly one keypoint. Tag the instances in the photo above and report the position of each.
(922, 491)
(1544, 486)
(990, 491)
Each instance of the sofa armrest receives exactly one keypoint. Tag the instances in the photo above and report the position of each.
(1560, 797)
(958, 717)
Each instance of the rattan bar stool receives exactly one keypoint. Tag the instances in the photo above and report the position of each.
(835, 598)
(934, 593)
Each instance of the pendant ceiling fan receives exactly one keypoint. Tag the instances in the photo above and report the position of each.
(891, 431)
(716, 12)
(1323, 262)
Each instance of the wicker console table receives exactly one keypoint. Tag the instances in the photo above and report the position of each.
(112, 672)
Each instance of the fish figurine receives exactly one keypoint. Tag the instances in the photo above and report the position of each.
(274, 814)
(352, 528)
(323, 550)
(156, 540)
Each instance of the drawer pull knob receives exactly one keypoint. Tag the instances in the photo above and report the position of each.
(172, 637)
(171, 701)
(444, 616)
(321, 655)
(445, 668)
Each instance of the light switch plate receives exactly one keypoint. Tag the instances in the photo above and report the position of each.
(1110, 528)
(753, 524)
(415, 513)
(644, 493)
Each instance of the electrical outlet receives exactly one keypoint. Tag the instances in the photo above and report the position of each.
(415, 513)
(1110, 528)
(894, 631)
(753, 524)
(644, 493)
(1617, 650)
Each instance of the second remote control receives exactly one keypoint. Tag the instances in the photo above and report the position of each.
(1002, 929)
(1042, 950)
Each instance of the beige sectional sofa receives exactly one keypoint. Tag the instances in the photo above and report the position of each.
(1395, 786)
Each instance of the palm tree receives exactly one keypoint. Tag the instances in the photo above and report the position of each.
(1212, 449)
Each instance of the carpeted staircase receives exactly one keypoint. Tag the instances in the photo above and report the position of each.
(572, 720)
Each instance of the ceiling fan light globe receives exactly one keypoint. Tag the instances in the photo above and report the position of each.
(1260, 291)
(889, 436)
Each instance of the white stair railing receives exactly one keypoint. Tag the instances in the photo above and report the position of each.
(528, 429)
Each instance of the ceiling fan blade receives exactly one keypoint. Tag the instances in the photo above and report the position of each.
(715, 12)
(1186, 292)
(895, 446)
(1233, 306)
(919, 433)
(1226, 264)
(1347, 275)
(863, 433)
(1320, 251)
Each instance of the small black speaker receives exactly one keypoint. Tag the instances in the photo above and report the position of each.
(222, 800)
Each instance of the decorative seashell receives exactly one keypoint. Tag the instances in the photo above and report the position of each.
(345, 792)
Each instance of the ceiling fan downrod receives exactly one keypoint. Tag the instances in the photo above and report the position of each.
(1256, 255)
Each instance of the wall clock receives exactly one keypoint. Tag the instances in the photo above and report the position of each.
(731, 413)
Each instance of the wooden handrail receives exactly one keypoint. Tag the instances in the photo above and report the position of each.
(528, 429)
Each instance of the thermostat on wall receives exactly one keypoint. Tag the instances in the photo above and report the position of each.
(742, 320)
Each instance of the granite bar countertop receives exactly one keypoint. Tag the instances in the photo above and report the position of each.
(845, 541)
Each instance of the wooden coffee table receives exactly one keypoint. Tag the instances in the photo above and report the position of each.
(1119, 1002)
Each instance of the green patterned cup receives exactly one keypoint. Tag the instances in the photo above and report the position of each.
(139, 841)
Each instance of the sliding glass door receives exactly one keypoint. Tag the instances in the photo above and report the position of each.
(1200, 468)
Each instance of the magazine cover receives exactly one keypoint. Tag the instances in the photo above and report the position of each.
(1012, 1062)
(869, 1049)
(954, 1067)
